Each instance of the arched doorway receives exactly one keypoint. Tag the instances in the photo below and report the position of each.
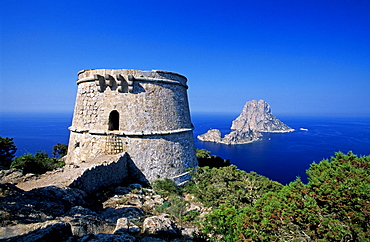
(113, 120)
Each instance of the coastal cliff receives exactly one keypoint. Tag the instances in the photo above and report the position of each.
(233, 138)
(256, 117)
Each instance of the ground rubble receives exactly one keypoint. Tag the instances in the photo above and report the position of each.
(120, 213)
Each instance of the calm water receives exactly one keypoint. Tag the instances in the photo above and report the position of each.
(32, 132)
(281, 157)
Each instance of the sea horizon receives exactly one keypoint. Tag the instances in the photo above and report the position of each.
(278, 156)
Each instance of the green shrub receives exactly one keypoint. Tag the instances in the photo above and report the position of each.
(7, 151)
(215, 186)
(165, 187)
(191, 216)
(333, 206)
(162, 208)
(37, 164)
(60, 150)
(175, 206)
(205, 158)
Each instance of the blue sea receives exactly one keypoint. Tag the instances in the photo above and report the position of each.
(280, 157)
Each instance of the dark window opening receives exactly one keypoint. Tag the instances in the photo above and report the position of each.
(113, 120)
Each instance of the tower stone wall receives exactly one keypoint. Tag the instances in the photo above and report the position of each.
(143, 113)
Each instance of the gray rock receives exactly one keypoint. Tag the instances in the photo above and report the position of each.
(151, 201)
(152, 239)
(135, 200)
(241, 137)
(86, 222)
(121, 190)
(182, 240)
(189, 232)
(9, 189)
(55, 201)
(212, 135)
(21, 229)
(233, 138)
(124, 226)
(256, 115)
(11, 176)
(37, 205)
(43, 232)
(87, 225)
(108, 238)
(129, 212)
(79, 210)
(67, 196)
(160, 225)
(135, 186)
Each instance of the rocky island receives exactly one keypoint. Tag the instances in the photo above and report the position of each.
(256, 117)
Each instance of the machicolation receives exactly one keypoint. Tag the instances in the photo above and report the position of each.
(142, 113)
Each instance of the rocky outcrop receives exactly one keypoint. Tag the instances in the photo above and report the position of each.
(238, 137)
(108, 238)
(212, 135)
(256, 115)
(255, 118)
(37, 205)
(49, 231)
(160, 225)
(122, 213)
(233, 138)
(90, 176)
(84, 221)
(123, 226)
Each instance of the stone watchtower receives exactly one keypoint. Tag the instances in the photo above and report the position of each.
(143, 113)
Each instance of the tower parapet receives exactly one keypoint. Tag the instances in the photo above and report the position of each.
(143, 113)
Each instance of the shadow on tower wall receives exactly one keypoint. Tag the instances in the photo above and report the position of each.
(112, 171)
(134, 174)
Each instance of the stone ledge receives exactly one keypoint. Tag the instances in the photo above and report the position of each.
(145, 79)
(131, 133)
(103, 170)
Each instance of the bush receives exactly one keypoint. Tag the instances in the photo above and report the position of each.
(175, 204)
(37, 164)
(60, 150)
(333, 206)
(191, 216)
(205, 158)
(7, 151)
(166, 187)
(215, 186)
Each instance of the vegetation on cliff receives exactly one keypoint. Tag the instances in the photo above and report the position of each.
(60, 150)
(333, 206)
(216, 186)
(228, 204)
(206, 159)
(7, 151)
(37, 163)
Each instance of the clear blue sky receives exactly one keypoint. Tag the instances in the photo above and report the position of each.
(302, 57)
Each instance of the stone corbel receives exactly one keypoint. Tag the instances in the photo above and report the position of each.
(100, 82)
(109, 80)
(130, 83)
(121, 83)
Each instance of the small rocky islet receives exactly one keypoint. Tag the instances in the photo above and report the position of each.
(256, 118)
